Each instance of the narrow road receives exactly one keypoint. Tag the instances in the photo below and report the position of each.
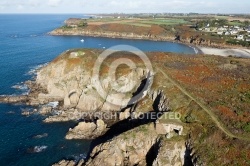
(204, 107)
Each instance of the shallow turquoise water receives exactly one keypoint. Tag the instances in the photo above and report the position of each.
(24, 45)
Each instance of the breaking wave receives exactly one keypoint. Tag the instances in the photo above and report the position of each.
(21, 88)
(33, 70)
(77, 158)
(195, 49)
(37, 149)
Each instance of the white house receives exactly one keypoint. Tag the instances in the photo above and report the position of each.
(207, 29)
(234, 32)
(240, 37)
(236, 27)
(222, 29)
(220, 32)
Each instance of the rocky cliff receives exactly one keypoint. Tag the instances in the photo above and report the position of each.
(68, 80)
(129, 148)
(140, 146)
(110, 34)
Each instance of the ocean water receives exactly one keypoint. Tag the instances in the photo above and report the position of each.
(24, 46)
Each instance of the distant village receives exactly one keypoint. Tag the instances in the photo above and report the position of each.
(237, 32)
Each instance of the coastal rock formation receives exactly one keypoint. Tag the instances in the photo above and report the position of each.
(139, 146)
(13, 99)
(129, 148)
(45, 110)
(161, 102)
(87, 130)
(171, 153)
(69, 163)
(153, 32)
(69, 80)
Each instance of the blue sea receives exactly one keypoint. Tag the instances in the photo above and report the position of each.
(24, 46)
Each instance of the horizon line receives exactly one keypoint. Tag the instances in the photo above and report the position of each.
(132, 13)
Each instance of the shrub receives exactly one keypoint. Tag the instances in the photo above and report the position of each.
(237, 42)
(247, 127)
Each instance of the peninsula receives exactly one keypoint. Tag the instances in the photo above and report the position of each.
(211, 34)
(195, 113)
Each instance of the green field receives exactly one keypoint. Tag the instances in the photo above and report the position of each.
(235, 23)
(165, 21)
(142, 22)
(136, 24)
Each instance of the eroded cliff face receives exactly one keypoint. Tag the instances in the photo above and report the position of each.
(72, 84)
(126, 35)
(171, 153)
(129, 148)
(87, 130)
(70, 79)
(139, 146)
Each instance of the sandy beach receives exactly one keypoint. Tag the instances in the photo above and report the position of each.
(240, 52)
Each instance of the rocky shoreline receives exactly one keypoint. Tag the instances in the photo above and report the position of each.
(59, 32)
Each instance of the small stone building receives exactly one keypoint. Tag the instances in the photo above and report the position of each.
(168, 127)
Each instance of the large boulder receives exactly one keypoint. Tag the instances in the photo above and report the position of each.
(87, 130)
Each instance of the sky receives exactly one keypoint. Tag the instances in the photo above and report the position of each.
(124, 6)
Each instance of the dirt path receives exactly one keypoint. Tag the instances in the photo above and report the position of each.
(205, 108)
